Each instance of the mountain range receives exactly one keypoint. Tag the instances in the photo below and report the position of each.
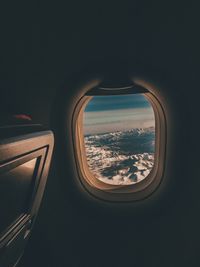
(123, 157)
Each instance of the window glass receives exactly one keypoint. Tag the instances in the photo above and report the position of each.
(119, 138)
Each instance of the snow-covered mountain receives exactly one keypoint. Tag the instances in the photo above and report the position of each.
(121, 157)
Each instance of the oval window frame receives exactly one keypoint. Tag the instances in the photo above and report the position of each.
(119, 193)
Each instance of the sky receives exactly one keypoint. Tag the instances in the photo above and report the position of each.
(117, 113)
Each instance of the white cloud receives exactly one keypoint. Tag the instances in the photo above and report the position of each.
(118, 120)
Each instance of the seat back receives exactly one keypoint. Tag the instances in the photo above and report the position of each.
(24, 164)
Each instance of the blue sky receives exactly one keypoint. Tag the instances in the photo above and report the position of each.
(115, 102)
(117, 113)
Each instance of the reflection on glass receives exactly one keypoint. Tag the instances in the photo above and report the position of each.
(17, 183)
(119, 134)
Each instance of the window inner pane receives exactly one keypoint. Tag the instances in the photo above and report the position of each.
(119, 138)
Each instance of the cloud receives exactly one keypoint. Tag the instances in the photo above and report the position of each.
(118, 120)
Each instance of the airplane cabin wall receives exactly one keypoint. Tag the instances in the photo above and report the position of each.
(42, 49)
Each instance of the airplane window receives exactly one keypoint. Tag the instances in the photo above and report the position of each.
(119, 138)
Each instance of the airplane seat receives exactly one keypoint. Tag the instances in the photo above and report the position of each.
(25, 155)
(16, 124)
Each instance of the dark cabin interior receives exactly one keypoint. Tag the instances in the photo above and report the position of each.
(47, 51)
